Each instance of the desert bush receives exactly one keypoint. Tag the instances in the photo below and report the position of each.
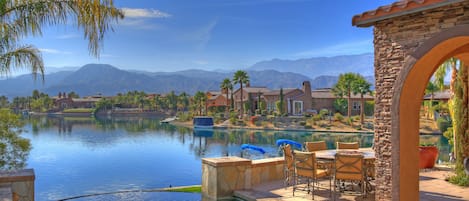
(338, 117)
(302, 123)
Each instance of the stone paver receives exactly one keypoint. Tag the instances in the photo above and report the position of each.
(433, 187)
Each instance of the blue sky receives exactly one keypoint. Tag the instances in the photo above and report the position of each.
(171, 35)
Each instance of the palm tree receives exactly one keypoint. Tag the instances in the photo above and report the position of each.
(362, 87)
(227, 86)
(19, 19)
(343, 87)
(431, 89)
(199, 99)
(241, 77)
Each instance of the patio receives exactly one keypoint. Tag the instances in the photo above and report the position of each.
(432, 187)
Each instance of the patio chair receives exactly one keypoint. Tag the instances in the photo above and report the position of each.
(306, 167)
(315, 146)
(288, 169)
(350, 167)
(348, 145)
(319, 146)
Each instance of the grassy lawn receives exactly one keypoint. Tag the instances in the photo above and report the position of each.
(186, 189)
(79, 110)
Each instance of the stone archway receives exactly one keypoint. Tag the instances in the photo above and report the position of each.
(411, 39)
(407, 97)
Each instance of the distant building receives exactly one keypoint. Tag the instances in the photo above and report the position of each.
(63, 102)
(217, 99)
(324, 99)
(297, 101)
(250, 95)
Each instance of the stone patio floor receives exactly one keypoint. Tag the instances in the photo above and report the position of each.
(433, 187)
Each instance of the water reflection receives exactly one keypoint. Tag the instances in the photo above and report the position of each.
(107, 131)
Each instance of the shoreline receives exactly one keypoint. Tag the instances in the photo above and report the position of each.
(188, 124)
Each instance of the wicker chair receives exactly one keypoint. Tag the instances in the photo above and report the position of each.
(350, 167)
(288, 169)
(348, 145)
(306, 167)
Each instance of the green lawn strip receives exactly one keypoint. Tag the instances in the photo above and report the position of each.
(78, 110)
(185, 189)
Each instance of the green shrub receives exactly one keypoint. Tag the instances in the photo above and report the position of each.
(302, 123)
(324, 112)
(308, 127)
(349, 121)
(443, 124)
(317, 117)
(449, 135)
(338, 117)
(356, 118)
(233, 118)
(459, 179)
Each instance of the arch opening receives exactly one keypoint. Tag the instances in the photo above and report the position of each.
(408, 91)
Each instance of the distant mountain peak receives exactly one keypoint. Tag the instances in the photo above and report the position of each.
(318, 66)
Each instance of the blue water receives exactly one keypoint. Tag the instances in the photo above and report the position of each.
(79, 156)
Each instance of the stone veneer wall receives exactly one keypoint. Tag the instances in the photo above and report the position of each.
(394, 40)
(19, 183)
(222, 176)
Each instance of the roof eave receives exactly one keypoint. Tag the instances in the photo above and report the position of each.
(372, 20)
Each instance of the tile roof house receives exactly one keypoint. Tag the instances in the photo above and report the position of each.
(324, 99)
(297, 101)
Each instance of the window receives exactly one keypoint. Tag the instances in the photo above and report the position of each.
(356, 105)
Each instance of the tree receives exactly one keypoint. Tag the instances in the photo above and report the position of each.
(362, 87)
(13, 148)
(281, 104)
(72, 94)
(343, 87)
(20, 19)
(227, 86)
(183, 101)
(241, 77)
(431, 89)
(4, 102)
(199, 101)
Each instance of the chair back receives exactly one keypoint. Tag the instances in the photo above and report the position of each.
(349, 167)
(316, 146)
(348, 145)
(288, 156)
(305, 164)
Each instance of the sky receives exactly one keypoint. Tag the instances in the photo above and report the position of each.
(172, 35)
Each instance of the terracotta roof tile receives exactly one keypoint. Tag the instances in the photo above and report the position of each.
(399, 8)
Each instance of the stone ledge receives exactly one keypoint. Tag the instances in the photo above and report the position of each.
(267, 162)
(226, 161)
(17, 176)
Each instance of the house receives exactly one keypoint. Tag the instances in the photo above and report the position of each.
(438, 96)
(324, 99)
(62, 101)
(297, 101)
(217, 99)
(250, 96)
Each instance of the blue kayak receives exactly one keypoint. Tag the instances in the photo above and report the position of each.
(281, 142)
(252, 147)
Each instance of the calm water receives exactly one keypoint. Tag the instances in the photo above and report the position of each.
(79, 156)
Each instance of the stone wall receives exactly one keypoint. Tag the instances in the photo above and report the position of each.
(395, 40)
(19, 183)
(222, 176)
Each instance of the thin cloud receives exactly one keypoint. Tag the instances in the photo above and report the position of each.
(355, 47)
(139, 24)
(53, 51)
(144, 13)
(202, 35)
(200, 62)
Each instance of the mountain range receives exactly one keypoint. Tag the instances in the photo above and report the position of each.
(108, 80)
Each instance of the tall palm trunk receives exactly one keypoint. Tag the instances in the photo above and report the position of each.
(362, 110)
(242, 102)
(349, 104)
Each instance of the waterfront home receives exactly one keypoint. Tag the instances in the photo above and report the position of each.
(62, 101)
(324, 99)
(297, 101)
(250, 96)
(217, 99)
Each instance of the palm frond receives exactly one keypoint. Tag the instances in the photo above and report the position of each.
(22, 57)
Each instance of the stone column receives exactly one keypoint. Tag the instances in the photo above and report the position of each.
(20, 182)
(222, 176)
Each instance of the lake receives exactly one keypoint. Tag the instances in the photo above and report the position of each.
(80, 156)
